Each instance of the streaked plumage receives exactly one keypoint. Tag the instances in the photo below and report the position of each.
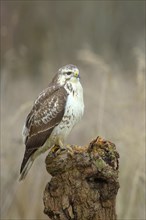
(54, 113)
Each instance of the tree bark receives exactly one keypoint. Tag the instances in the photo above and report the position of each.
(84, 182)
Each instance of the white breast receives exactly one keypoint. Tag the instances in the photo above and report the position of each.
(73, 111)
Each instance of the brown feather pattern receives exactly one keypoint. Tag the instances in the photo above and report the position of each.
(46, 113)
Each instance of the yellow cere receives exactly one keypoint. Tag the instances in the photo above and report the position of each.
(76, 73)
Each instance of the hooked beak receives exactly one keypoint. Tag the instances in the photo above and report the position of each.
(76, 74)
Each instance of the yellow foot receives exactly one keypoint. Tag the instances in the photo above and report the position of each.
(70, 149)
(56, 149)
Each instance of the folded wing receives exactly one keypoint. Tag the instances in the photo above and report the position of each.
(45, 115)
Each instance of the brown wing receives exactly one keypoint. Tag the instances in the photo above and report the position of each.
(46, 113)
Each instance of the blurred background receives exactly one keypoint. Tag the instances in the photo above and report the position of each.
(106, 40)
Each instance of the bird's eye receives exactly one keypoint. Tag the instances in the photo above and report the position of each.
(69, 73)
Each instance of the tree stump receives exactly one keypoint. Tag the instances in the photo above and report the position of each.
(84, 182)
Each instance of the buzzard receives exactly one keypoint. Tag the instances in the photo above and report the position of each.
(54, 113)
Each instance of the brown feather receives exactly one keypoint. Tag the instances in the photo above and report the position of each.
(51, 101)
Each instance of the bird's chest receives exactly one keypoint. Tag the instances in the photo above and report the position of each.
(73, 112)
(74, 109)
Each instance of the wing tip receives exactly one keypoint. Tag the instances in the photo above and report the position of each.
(25, 168)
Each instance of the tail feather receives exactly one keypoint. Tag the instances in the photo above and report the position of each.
(26, 168)
(27, 155)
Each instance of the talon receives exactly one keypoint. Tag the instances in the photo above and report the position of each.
(55, 148)
(69, 148)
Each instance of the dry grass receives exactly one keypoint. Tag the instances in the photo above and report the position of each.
(114, 109)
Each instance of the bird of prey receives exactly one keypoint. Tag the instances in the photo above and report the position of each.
(54, 113)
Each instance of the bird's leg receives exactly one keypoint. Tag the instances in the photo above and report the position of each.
(54, 148)
(67, 147)
(61, 144)
(58, 147)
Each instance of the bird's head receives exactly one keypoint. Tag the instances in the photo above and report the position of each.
(68, 73)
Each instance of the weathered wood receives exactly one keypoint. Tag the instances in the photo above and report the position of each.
(84, 182)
